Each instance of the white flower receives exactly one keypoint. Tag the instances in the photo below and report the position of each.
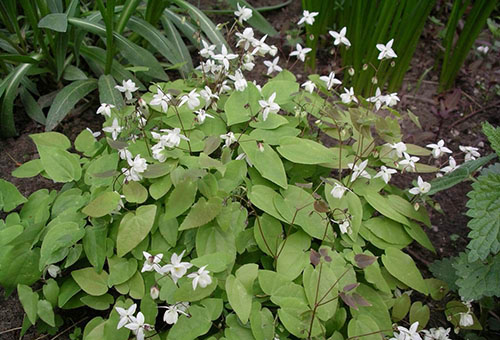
(422, 188)
(138, 164)
(246, 38)
(240, 83)
(161, 99)
(224, 57)
(359, 170)
(200, 278)
(229, 138)
(128, 87)
(152, 262)
(309, 86)
(437, 334)
(330, 80)
(176, 268)
(340, 37)
(154, 292)
(94, 134)
(244, 156)
(470, 152)
(130, 175)
(483, 49)
(260, 46)
(386, 51)
(273, 50)
(191, 99)
(157, 151)
(466, 319)
(223, 87)
(345, 227)
(409, 161)
(348, 96)
(451, 167)
(248, 63)
(114, 129)
(105, 109)
(53, 270)
(173, 138)
(385, 173)
(125, 315)
(391, 99)
(400, 148)
(438, 149)
(338, 191)
(408, 334)
(202, 115)
(300, 52)
(207, 95)
(243, 13)
(138, 326)
(172, 312)
(273, 66)
(208, 50)
(378, 99)
(307, 17)
(124, 153)
(269, 106)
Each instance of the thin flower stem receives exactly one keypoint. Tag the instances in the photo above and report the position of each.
(182, 126)
(333, 285)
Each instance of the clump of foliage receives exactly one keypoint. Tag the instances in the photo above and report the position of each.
(474, 274)
(69, 45)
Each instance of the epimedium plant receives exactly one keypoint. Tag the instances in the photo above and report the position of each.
(212, 209)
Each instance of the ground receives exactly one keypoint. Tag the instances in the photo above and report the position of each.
(453, 116)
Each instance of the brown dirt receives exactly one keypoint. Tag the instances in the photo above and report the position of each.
(476, 81)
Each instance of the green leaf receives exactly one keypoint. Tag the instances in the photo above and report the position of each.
(10, 197)
(59, 164)
(136, 285)
(261, 322)
(477, 279)
(242, 105)
(401, 307)
(294, 256)
(98, 302)
(193, 327)
(319, 288)
(216, 262)
(94, 244)
(202, 212)
(402, 267)
(181, 198)
(72, 73)
(383, 206)
(54, 139)
(32, 107)
(160, 187)
(58, 239)
(28, 169)
(46, 312)
(10, 233)
(239, 298)
(134, 227)
(19, 264)
(419, 235)
(378, 309)
(388, 230)
(66, 99)
(493, 134)
(484, 209)
(108, 93)
(29, 300)
(263, 198)
(267, 232)
(103, 204)
(90, 281)
(285, 90)
(55, 21)
(420, 313)
(120, 270)
(186, 293)
(51, 291)
(135, 192)
(69, 288)
(406, 208)
(361, 325)
(267, 162)
(305, 151)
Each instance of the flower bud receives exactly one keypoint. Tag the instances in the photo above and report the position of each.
(374, 80)
(154, 292)
(351, 71)
(365, 67)
(393, 63)
(416, 206)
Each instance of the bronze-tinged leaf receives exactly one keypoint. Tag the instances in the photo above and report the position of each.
(348, 300)
(314, 257)
(350, 287)
(321, 207)
(360, 301)
(363, 261)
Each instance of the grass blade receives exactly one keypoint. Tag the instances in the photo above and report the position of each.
(127, 12)
(135, 54)
(206, 25)
(66, 99)
(107, 92)
(32, 108)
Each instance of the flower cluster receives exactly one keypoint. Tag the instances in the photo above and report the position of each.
(412, 333)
